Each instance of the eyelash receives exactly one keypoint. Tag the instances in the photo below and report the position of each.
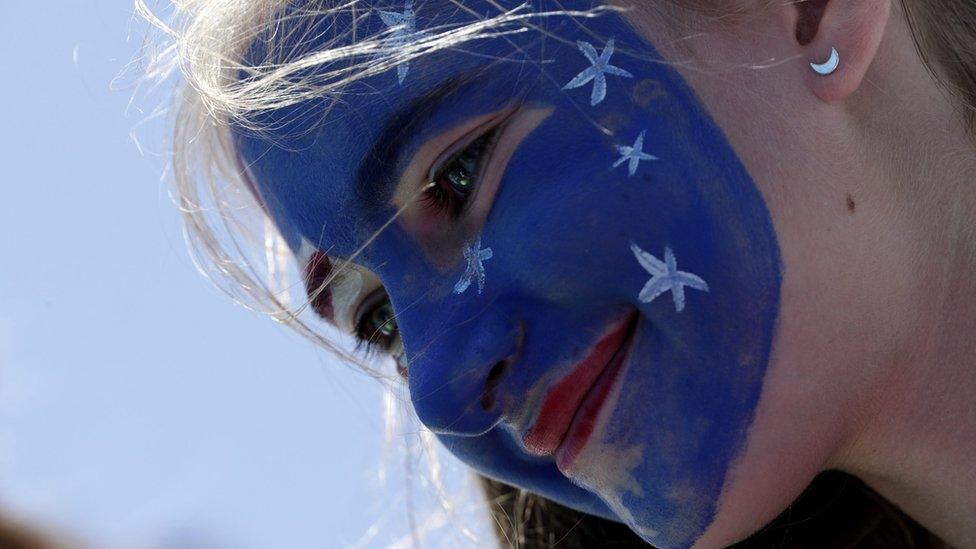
(444, 196)
(371, 339)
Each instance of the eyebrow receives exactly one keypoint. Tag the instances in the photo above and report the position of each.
(379, 170)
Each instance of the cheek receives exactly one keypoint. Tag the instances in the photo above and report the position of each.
(564, 218)
(561, 227)
(547, 192)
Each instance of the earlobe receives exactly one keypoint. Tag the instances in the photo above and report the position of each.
(852, 28)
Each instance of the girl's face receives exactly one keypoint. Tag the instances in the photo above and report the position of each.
(585, 278)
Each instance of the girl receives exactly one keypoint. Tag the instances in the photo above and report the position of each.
(660, 263)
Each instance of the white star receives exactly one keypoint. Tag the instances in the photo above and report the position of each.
(475, 255)
(665, 277)
(609, 467)
(608, 470)
(404, 28)
(600, 66)
(633, 155)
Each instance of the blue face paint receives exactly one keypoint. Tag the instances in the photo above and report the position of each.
(594, 325)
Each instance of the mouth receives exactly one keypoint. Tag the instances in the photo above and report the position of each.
(569, 411)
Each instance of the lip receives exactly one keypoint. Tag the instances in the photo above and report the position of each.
(569, 410)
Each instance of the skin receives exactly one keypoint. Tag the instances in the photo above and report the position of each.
(868, 181)
(828, 255)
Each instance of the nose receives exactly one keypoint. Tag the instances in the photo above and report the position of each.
(455, 374)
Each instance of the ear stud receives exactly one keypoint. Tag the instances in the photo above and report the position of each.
(828, 66)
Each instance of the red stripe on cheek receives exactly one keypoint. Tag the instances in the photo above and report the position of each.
(317, 271)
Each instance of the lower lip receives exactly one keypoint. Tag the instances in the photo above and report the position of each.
(564, 418)
(585, 421)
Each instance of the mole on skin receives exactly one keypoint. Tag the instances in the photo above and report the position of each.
(562, 223)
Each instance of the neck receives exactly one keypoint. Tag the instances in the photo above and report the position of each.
(916, 444)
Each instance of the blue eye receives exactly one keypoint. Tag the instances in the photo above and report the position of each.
(456, 178)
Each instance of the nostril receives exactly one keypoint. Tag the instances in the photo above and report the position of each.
(494, 376)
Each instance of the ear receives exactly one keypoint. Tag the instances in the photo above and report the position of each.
(853, 27)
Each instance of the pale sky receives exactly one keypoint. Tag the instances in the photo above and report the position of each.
(139, 407)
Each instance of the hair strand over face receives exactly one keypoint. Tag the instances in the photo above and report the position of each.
(231, 239)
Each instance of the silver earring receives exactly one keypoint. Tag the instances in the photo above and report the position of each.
(828, 66)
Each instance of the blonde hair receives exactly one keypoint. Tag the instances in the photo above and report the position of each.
(231, 239)
(232, 242)
(945, 38)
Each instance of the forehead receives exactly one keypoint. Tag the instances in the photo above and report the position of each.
(324, 154)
